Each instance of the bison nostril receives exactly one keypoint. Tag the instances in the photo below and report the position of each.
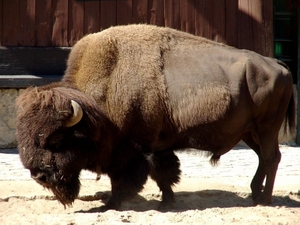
(40, 177)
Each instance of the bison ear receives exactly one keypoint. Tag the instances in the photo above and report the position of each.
(77, 114)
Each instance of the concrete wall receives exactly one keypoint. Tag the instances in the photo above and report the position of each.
(8, 114)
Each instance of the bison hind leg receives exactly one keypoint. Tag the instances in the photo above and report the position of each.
(164, 169)
(269, 157)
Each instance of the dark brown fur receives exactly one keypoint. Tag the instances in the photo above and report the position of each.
(145, 92)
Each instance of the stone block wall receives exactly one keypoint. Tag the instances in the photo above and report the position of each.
(7, 117)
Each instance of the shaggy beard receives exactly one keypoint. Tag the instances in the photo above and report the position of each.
(66, 192)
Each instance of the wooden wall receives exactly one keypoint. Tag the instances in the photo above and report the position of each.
(241, 23)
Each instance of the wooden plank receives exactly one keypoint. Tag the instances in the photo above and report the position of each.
(267, 26)
(172, 13)
(24, 81)
(140, 11)
(255, 13)
(10, 22)
(204, 18)
(91, 17)
(42, 61)
(262, 27)
(43, 22)
(108, 14)
(245, 34)
(1, 20)
(187, 16)
(156, 12)
(231, 22)
(124, 12)
(60, 23)
(27, 23)
(296, 78)
(76, 21)
(219, 21)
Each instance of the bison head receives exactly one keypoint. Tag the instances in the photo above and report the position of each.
(58, 131)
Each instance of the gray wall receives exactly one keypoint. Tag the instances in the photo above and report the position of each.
(7, 117)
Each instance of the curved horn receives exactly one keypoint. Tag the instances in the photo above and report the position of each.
(77, 115)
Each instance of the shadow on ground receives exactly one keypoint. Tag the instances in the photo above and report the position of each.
(199, 200)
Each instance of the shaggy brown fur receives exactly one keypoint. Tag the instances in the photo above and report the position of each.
(146, 91)
(42, 146)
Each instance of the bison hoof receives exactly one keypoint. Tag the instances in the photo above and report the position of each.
(106, 207)
(103, 208)
(115, 205)
(166, 206)
(262, 200)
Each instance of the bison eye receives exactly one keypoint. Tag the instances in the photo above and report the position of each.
(55, 142)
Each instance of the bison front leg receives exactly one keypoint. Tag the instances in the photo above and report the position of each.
(127, 181)
(164, 169)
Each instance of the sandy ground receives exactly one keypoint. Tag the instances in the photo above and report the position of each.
(205, 195)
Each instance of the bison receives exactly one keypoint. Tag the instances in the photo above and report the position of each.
(132, 95)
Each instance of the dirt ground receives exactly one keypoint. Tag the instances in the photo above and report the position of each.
(205, 195)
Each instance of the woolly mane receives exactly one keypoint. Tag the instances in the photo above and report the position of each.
(103, 64)
(53, 103)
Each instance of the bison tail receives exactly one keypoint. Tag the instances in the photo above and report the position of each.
(290, 117)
